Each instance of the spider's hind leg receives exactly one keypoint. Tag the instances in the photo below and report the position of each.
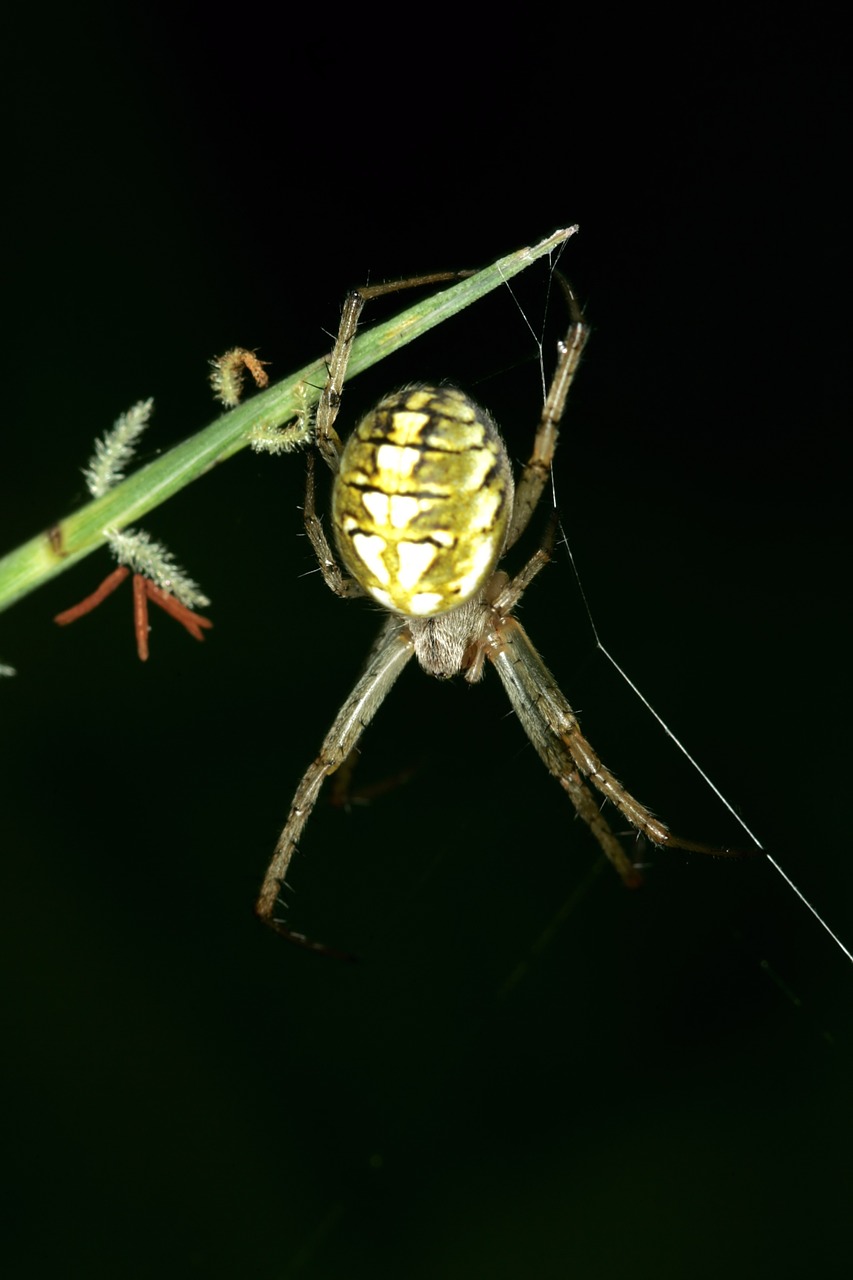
(387, 659)
(552, 727)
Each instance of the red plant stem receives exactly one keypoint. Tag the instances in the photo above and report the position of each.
(192, 621)
(107, 587)
(140, 615)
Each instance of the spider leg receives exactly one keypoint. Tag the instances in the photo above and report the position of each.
(328, 406)
(389, 655)
(328, 440)
(553, 728)
(510, 592)
(534, 476)
(589, 809)
(550, 724)
(333, 575)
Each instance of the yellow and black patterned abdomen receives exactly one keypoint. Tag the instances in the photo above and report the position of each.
(422, 500)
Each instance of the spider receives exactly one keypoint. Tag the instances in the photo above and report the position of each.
(424, 506)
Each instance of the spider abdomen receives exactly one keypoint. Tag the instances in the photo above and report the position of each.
(422, 500)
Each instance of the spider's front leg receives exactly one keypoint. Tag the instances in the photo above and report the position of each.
(328, 440)
(392, 651)
(536, 470)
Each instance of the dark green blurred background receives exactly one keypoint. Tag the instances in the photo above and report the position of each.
(531, 1072)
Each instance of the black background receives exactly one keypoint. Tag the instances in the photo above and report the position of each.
(530, 1071)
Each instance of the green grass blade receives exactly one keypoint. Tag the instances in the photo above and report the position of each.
(82, 532)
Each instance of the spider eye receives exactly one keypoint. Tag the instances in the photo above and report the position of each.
(422, 500)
